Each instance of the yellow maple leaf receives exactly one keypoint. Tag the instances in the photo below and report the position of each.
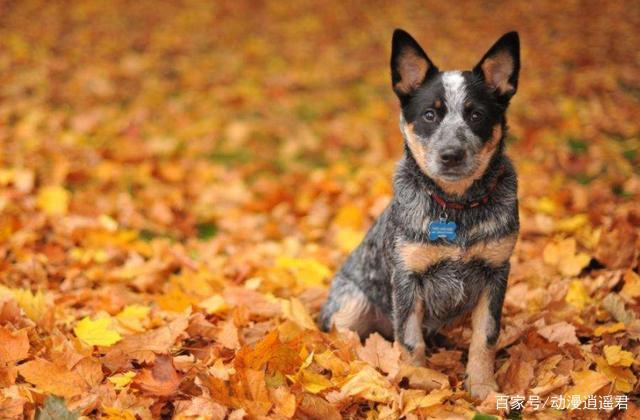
(622, 377)
(562, 254)
(121, 380)
(131, 317)
(96, 332)
(53, 200)
(577, 294)
(307, 271)
(617, 357)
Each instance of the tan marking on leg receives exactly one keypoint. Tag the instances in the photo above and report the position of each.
(484, 157)
(494, 252)
(480, 370)
(418, 257)
(413, 332)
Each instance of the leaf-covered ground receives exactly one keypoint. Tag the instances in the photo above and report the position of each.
(179, 180)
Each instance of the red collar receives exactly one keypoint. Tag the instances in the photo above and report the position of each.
(470, 204)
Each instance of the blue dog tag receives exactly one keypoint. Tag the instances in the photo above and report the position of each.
(442, 229)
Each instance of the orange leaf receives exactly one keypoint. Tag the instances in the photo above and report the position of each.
(14, 347)
(53, 379)
(161, 379)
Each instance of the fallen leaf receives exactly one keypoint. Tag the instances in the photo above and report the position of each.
(53, 379)
(132, 317)
(294, 310)
(307, 271)
(228, 335)
(413, 399)
(560, 332)
(423, 378)
(609, 329)
(369, 384)
(53, 200)
(317, 408)
(54, 408)
(380, 354)
(285, 401)
(33, 304)
(631, 287)
(616, 307)
(562, 254)
(586, 382)
(577, 294)
(622, 377)
(15, 345)
(161, 379)
(617, 357)
(214, 304)
(96, 332)
(121, 380)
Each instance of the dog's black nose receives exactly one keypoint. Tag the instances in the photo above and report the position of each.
(452, 156)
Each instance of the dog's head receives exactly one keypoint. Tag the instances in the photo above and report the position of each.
(453, 121)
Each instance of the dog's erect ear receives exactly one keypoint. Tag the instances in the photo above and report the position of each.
(500, 65)
(410, 66)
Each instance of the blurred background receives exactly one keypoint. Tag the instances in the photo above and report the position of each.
(161, 152)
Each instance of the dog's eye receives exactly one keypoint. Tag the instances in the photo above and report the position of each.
(476, 116)
(430, 115)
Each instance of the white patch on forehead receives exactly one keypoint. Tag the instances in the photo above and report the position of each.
(454, 91)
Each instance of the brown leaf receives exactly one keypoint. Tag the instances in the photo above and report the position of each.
(143, 347)
(161, 379)
(317, 408)
(423, 378)
(560, 332)
(201, 408)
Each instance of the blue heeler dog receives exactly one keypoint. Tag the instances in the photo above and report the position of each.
(441, 248)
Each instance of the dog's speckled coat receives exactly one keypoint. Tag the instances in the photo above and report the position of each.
(397, 281)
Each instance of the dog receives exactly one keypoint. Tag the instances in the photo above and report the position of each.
(441, 248)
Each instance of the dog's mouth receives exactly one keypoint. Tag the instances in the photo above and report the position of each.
(454, 174)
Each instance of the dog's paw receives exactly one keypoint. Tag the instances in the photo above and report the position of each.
(480, 390)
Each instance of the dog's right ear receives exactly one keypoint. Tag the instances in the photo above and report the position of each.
(410, 66)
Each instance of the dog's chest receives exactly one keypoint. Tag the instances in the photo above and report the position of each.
(419, 257)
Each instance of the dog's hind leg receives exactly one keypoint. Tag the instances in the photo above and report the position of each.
(349, 308)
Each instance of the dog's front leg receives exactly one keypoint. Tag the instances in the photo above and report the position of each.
(408, 314)
(485, 322)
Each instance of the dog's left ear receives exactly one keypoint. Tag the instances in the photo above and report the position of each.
(500, 66)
